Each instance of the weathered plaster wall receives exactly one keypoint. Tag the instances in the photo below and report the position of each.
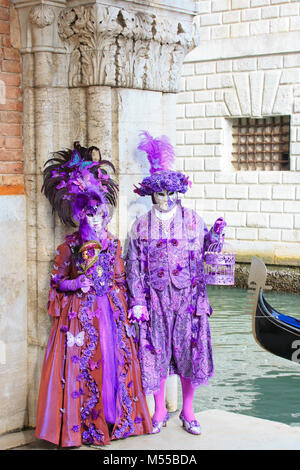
(13, 320)
(13, 299)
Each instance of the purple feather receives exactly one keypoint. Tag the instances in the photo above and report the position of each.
(160, 152)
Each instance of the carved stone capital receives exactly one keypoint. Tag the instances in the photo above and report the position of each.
(38, 23)
(113, 46)
(41, 15)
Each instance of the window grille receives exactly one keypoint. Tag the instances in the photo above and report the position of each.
(261, 144)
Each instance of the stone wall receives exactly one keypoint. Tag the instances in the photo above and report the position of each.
(281, 279)
(13, 320)
(222, 19)
(247, 65)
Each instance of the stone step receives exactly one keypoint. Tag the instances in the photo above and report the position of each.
(221, 430)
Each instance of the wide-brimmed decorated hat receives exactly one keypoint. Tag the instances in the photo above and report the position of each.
(161, 156)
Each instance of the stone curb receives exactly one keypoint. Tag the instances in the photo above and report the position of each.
(16, 439)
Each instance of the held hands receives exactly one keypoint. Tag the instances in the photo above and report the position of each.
(138, 314)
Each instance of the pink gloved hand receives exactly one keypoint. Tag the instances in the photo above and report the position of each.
(81, 282)
(219, 225)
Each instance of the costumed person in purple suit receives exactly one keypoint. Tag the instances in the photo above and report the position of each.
(166, 286)
(91, 390)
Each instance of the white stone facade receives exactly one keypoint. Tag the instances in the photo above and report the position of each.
(247, 65)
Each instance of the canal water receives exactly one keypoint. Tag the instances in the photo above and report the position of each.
(248, 380)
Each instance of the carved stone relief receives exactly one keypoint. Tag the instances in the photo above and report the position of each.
(115, 47)
(41, 15)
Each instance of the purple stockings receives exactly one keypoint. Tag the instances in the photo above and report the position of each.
(160, 405)
(187, 399)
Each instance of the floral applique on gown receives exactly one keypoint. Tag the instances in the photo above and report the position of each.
(91, 390)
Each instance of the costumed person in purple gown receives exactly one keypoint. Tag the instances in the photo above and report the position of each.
(166, 282)
(91, 390)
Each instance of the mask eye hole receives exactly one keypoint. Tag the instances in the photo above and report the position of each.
(90, 215)
(160, 194)
(171, 193)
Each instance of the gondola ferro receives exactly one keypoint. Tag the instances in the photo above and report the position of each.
(275, 332)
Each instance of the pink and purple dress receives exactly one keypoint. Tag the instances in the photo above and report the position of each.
(90, 389)
(165, 273)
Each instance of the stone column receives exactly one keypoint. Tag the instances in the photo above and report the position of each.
(46, 128)
(99, 72)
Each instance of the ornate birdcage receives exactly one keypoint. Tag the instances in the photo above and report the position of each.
(219, 265)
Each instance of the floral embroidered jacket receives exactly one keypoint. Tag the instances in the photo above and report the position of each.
(156, 258)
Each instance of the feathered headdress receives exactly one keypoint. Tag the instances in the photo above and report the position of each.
(160, 152)
(161, 156)
(73, 182)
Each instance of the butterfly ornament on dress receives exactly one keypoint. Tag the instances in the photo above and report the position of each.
(130, 330)
(75, 340)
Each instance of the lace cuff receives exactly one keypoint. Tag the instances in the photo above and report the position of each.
(138, 314)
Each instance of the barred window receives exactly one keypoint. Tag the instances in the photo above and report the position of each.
(261, 144)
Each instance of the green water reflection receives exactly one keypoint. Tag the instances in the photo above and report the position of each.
(247, 379)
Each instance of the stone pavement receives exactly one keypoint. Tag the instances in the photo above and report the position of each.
(222, 430)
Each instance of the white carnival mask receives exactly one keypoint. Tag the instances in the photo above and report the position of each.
(100, 219)
(165, 200)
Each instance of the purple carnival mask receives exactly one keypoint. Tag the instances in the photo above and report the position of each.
(165, 200)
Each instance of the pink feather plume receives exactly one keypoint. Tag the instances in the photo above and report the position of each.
(160, 152)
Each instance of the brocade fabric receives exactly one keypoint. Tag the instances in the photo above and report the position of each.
(165, 273)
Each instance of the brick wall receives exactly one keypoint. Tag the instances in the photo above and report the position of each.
(248, 76)
(11, 148)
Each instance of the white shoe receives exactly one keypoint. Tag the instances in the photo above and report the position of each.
(193, 427)
(158, 425)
